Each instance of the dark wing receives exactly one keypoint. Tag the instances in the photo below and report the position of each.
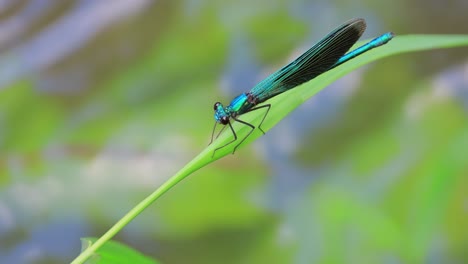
(317, 60)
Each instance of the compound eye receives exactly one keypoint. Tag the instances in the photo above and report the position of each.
(216, 105)
(224, 120)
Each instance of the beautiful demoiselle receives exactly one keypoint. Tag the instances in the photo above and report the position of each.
(327, 54)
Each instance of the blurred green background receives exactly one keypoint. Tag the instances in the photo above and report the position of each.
(102, 101)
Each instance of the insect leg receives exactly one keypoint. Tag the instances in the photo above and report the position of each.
(235, 138)
(252, 127)
(263, 119)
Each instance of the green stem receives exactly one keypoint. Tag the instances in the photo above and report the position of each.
(192, 166)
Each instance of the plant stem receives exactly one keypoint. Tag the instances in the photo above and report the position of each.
(192, 166)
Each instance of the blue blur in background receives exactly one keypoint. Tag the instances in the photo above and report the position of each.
(102, 101)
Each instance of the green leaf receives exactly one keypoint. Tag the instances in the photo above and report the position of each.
(281, 106)
(288, 101)
(115, 253)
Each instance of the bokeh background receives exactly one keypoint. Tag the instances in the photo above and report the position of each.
(102, 101)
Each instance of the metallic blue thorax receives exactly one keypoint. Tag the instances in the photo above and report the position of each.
(238, 106)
